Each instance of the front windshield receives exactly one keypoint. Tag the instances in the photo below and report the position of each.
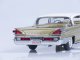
(52, 21)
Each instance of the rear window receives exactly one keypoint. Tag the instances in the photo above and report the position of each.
(47, 20)
(59, 20)
(53, 21)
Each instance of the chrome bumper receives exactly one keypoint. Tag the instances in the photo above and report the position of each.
(59, 42)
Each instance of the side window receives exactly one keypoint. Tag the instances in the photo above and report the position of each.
(76, 19)
(68, 22)
(43, 21)
(77, 16)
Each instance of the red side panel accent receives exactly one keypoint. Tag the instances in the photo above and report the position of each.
(57, 31)
(17, 31)
(25, 38)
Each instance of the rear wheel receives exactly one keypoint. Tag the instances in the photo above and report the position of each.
(66, 46)
(32, 47)
(59, 48)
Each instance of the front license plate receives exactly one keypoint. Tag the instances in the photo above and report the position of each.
(36, 42)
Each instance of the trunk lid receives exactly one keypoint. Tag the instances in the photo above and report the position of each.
(36, 31)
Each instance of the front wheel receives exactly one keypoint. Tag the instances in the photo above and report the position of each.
(32, 47)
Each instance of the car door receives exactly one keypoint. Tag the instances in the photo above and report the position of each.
(76, 20)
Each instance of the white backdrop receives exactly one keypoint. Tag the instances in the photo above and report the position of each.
(21, 13)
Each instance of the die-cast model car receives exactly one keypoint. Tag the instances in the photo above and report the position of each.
(56, 29)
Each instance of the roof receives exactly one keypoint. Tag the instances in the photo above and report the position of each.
(71, 15)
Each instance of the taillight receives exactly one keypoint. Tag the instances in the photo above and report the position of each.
(48, 39)
(25, 38)
(17, 31)
(57, 31)
(51, 38)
